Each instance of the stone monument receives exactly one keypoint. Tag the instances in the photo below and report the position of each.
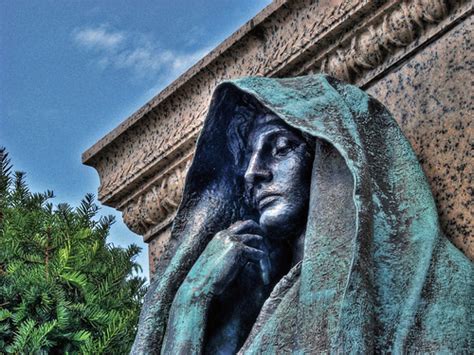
(412, 55)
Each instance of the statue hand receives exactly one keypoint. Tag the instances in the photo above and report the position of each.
(225, 256)
(220, 263)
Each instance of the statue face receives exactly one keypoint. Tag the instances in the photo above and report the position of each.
(278, 177)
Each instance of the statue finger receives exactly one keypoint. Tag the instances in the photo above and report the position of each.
(261, 258)
(251, 240)
(248, 226)
(264, 264)
(252, 254)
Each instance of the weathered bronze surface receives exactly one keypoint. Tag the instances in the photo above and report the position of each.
(306, 225)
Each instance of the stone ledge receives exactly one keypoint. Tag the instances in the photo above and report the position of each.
(357, 41)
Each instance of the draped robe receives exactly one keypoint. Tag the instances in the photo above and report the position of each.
(377, 274)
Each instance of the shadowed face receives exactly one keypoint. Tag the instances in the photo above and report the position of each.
(278, 177)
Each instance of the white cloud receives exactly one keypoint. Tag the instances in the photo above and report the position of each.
(134, 52)
(174, 65)
(100, 37)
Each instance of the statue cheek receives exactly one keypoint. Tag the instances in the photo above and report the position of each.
(287, 170)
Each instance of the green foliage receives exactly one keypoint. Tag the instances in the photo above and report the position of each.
(63, 288)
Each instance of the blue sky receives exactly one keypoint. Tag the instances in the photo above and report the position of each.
(71, 71)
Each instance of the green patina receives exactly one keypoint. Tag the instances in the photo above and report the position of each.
(385, 280)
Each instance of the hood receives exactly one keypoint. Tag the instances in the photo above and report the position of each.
(362, 284)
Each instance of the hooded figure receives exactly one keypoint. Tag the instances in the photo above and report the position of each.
(369, 269)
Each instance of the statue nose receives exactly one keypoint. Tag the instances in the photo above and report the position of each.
(257, 171)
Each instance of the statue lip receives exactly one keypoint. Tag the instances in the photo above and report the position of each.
(265, 198)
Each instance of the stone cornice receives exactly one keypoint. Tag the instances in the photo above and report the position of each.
(142, 163)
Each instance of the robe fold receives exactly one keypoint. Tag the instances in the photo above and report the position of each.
(377, 274)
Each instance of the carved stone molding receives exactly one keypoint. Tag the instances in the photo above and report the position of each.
(397, 29)
(158, 203)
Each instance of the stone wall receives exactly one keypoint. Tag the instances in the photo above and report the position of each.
(414, 56)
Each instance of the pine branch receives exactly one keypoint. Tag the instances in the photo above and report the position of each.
(5, 170)
(63, 288)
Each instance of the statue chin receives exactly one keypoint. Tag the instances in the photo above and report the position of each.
(279, 220)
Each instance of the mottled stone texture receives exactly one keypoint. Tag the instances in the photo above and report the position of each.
(156, 247)
(430, 96)
(415, 56)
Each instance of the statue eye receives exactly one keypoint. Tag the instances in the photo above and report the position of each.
(282, 146)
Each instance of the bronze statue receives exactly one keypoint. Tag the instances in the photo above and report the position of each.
(307, 225)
